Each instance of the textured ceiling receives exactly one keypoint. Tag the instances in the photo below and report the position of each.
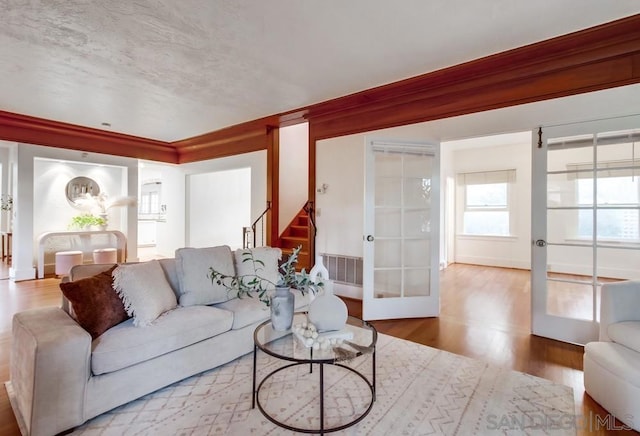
(170, 70)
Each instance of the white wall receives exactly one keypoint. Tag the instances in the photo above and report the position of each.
(256, 161)
(294, 170)
(513, 251)
(229, 193)
(339, 211)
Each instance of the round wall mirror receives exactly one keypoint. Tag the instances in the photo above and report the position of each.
(80, 186)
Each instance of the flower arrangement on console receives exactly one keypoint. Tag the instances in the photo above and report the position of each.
(96, 207)
(256, 284)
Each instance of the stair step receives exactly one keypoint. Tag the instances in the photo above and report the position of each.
(293, 241)
(302, 220)
(300, 231)
(303, 258)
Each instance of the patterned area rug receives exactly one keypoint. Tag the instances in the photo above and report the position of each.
(420, 391)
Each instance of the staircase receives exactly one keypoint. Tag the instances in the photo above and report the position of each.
(297, 233)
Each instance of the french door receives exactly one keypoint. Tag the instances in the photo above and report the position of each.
(401, 222)
(585, 222)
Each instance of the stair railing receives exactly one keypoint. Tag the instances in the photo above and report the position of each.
(250, 242)
(311, 213)
(309, 208)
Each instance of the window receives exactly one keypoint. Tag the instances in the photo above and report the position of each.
(486, 202)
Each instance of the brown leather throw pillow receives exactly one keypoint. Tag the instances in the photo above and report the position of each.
(96, 305)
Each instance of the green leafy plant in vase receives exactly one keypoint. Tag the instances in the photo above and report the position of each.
(277, 296)
(86, 221)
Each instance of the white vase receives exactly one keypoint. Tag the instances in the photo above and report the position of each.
(318, 270)
(282, 308)
(328, 312)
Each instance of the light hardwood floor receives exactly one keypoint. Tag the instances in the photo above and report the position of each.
(484, 315)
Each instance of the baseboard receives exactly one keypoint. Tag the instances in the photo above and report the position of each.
(14, 406)
(347, 291)
(22, 274)
(498, 262)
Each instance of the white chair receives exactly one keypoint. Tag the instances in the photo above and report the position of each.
(612, 365)
(65, 260)
(105, 255)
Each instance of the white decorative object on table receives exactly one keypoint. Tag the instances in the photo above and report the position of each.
(328, 312)
(312, 338)
(318, 270)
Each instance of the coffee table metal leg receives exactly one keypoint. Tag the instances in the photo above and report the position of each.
(373, 363)
(253, 392)
(322, 398)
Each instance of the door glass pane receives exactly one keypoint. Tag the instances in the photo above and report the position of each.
(618, 147)
(387, 283)
(417, 223)
(618, 264)
(562, 190)
(388, 191)
(569, 226)
(417, 192)
(388, 222)
(414, 250)
(416, 282)
(388, 253)
(570, 281)
(564, 152)
(388, 164)
(570, 300)
(420, 166)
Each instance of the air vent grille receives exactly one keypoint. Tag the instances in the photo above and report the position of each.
(344, 269)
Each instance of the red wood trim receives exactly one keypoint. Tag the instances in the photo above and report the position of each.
(273, 186)
(241, 138)
(598, 58)
(312, 188)
(32, 130)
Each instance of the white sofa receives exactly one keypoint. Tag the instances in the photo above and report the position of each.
(61, 378)
(612, 365)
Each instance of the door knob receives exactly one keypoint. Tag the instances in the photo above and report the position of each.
(541, 243)
(370, 238)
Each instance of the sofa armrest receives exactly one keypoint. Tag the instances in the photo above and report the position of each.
(620, 301)
(49, 370)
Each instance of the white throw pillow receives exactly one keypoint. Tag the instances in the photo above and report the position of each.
(267, 270)
(192, 266)
(144, 290)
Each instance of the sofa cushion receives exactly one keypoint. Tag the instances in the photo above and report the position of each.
(250, 310)
(125, 345)
(96, 305)
(625, 333)
(192, 266)
(616, 359)
(171, 274)
(260, 263)
(144, 290)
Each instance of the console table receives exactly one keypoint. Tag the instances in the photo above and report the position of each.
(85, 241)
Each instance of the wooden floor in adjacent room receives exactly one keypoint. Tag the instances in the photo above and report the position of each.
(484, 314)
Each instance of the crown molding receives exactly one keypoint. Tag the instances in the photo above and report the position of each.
(32, 130)
(593, 59)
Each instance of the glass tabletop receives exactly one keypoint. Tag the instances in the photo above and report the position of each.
(358, 337)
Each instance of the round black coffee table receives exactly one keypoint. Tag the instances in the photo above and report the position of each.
(361, 338)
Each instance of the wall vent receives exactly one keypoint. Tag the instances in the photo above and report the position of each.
(344, 269)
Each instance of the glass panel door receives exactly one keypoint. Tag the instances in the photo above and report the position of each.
(585, 226)
(401, 225)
